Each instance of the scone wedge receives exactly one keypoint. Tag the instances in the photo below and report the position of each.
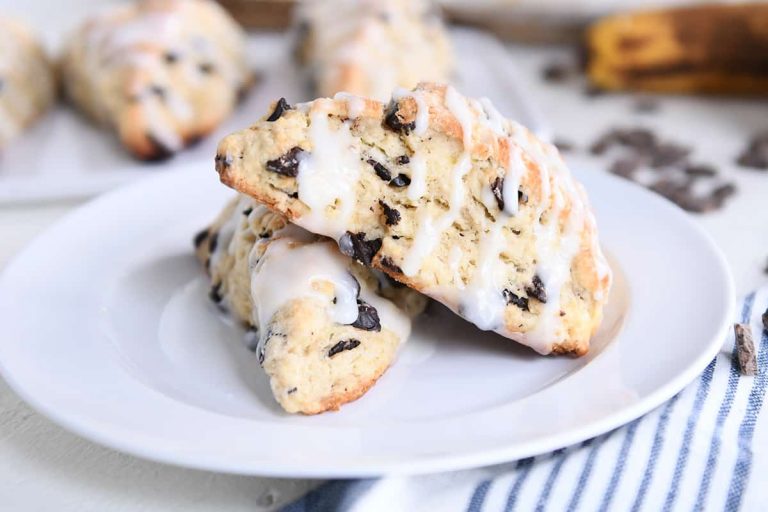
(443, 194)
(323, 327)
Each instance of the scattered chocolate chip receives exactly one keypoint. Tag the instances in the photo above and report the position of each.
(511, 298)
(288, 164)
(215, 293)
(563, 145)
(213, 243)
(394, 122)
(222, 162)
(381, 171)
(402, 160)
(537, 289)
(247, 211)
(745, 349)
(171, 57)
(700, 170)
(291, 391)
(341, 347)
(556, 72)
(280, 108)
(294, 195)
(646, 104)
(206, 68)
(391, 214)
(200, 238)
(497, 187)
(367, 317)
(666, 155)
(387, 263)
(522, 197)
(401, 180)
(356, 246)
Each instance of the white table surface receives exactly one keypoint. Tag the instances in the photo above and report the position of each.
(43, 467)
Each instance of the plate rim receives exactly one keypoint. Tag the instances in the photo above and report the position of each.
(419, 464)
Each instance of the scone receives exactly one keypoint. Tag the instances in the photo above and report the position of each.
(27, 80)
(370, 47)
(444, 195)
(160, 73)
(325, 331)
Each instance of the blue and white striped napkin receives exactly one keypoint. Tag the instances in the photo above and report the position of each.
(704, 449)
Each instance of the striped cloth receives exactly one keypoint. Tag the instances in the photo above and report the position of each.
(695, 452)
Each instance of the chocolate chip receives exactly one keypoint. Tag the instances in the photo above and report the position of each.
(497, 187)
(402, 160)
(745, 349)
(537, 289)
(700, 170)
(280, 108)
(381, 171)
(666, 155)
(356, 246)
(394, 122)
(401, 180)
(391, 214)
(171, 57)
(522, 197)
(159, 150)
(387, 263)
(215, 293)
(563, 145)
(341, 347)
(511, 298)
(222, 162)
(206, 68)
(247, 211)
(200, 238)
(367, 317)
(291, 391)
(288, 164)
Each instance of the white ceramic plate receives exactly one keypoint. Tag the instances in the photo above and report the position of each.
(107, 330)
(65, 156)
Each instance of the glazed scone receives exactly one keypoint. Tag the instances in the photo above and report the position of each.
(27, 79)
(160, 73)
(325, 332)
(443, 194)
(370, 47)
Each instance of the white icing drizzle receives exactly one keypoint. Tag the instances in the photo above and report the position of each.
(482, 301)
(459, 107)
(418, 185)
(328, 175)
(515, 171)
(355, 104)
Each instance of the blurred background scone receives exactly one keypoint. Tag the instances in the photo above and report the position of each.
(160, 73)
(27, 80)
(371, 47)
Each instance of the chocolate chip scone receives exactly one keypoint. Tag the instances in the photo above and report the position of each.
(27, 81)
(369, 48)
(444, 195)
(325, 331)
(160, 73)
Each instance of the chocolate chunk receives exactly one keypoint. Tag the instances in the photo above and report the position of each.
(206, 68)
(745, 349)
(215, 293)
(394, 122)
(341, 347)
(557, 72)
(200, 238)
(280, 108)
(401, 180)
(288, 164)
(356, 246)
(381, 171)
(511, 298)
(391, 214)
(367, 317)
(387, 263)
(700, 170)
(171, 57)
(537, 289)
(402, 160)
(562, 145)
(291, 391)
(213, 243)
(222, 162)
(666, 155)
(522, 197)
(497, 187)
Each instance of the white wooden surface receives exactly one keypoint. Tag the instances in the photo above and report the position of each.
(43, 467)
